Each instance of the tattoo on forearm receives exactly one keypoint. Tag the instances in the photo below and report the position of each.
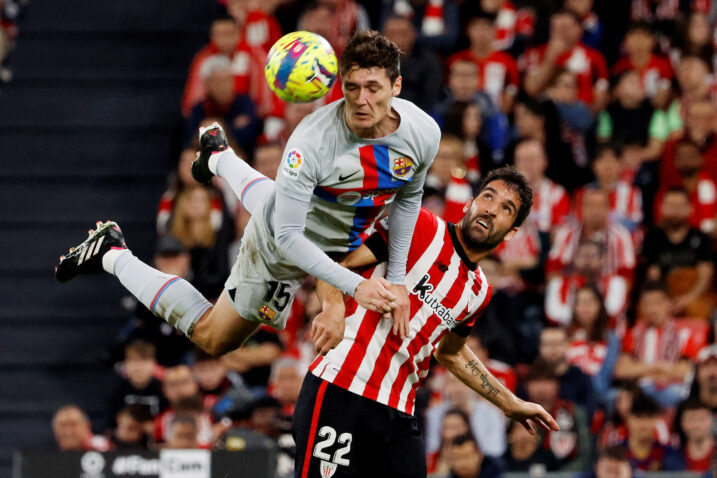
(491, 390)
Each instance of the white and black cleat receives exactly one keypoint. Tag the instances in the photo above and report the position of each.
(86, 258)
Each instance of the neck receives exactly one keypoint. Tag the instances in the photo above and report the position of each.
(472, 255)
(676, 234)
(481, 51)
(690, 182)
(700, 447)
(640, 448)
(561, 368)
(640, 58)
(605, 184)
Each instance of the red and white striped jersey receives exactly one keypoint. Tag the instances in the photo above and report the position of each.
(650, 344)
(447, 291)
(620, 250)
(625, 203)
(551, 205)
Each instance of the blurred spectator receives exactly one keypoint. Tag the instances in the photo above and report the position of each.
(698, 184)
(614, 428)
(464, 120)
(253, 360)
(133, 422)
(612, 463)
(346, 16)
(632, 120)
(498, 71)
(575, 385)
(704, 387)
(514, 24)
(437, 23)
(694, 38)
(223, 42)
(695, 422)
(215, 382)
(654, 351)
(538, 120)
(570, 446)
(191, 224)
(455, 423)
(466, 460)
(237, 110)
(594, 225)
(661, 15)
(515, 340)
(72, 431)
(551, 204)
(139, 386)
(182, 433)
(576, 119)
(259, 28)
(525, 452)
(293, 114)
(182, 392)
(625, 199)
(592, 26)
(287, 375)
(654, 70)
(694, 85)
(566, 50)
(264, 416)
(500, 370)
(700, 128)
(561, 290)
(487, 421)
(681, 256)
(594, 346)
(643, 450)
(179, 181)
(420, 69)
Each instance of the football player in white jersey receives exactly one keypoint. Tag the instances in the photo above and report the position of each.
(345, 165)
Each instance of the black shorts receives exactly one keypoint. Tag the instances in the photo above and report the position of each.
(341, 434)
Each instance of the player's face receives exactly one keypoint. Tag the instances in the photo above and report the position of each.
(489, 221)
(368, 93)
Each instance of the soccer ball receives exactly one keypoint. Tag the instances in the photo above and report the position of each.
(301, 67)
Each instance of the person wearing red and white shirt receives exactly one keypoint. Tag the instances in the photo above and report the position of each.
(655, 351)
(363, 391)
(511, 22)
(561, 290)
(565, 50)
(655, 71)
(625, 199)
(551, 203)
(620, 257)
(697, 421)
(698, 184)
(497, 70)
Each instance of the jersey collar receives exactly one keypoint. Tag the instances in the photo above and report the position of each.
(459, 247)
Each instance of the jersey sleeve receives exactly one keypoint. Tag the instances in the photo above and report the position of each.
(298, 172)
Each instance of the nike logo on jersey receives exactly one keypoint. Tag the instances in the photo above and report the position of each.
(344, 178)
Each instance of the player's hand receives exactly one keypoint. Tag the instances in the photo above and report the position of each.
(532, 416)
(374, 294)
(327, 329)
(401, 312)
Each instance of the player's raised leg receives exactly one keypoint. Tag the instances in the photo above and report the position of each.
(216, 157)
(217, 329)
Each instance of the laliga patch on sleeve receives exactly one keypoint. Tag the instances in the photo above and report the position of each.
(291, 165)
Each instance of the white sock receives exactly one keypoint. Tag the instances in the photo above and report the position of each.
(167, 296)
(251, 187)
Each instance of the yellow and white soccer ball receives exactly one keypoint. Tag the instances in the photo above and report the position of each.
(301, 67)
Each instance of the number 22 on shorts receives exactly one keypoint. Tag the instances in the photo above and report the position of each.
(329, 463)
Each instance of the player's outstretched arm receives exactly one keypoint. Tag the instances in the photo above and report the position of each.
(459, 359)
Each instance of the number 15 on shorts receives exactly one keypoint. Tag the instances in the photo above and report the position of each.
(329, 462)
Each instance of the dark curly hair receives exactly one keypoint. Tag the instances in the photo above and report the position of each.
(370, 49)
(516, 181)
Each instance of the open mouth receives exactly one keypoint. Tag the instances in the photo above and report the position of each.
(483, 223)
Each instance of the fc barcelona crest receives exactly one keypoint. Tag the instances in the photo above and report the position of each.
(266, 313)
(402, 166)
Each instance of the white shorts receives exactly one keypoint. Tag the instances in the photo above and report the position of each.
(262, 285)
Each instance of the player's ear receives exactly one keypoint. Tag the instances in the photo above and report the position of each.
(510, 234)
(468, 205)
(397, 86)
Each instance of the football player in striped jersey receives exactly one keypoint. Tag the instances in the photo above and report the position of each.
(354, 416)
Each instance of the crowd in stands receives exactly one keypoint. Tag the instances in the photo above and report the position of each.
(603, 304)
